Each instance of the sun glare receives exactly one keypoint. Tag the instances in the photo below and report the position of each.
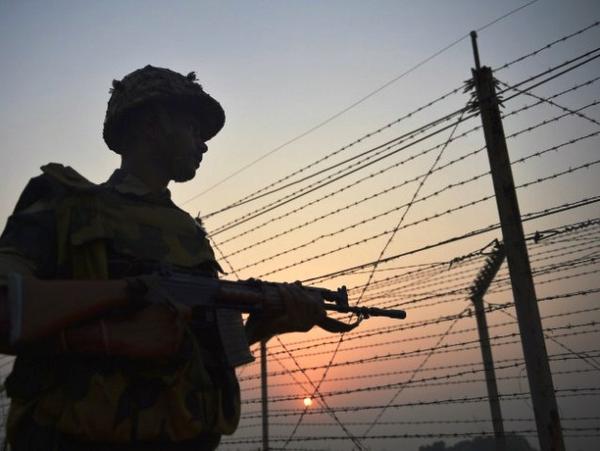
(307, 402)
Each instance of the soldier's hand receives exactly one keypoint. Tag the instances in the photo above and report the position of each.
(301, 311)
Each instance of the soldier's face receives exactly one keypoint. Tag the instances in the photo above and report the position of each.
(180, 147)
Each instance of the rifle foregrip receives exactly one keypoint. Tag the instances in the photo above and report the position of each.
(339, 297)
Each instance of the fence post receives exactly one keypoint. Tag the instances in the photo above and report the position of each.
(480, 286)
(528, 315)
(264, 395)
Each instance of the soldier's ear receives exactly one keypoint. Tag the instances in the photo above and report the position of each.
(152, 122)
(160, 120)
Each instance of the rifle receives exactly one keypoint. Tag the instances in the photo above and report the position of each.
(42, 308)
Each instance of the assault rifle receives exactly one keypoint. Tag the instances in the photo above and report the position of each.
(40, 308)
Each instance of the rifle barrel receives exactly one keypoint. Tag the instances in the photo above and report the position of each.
(367, 311)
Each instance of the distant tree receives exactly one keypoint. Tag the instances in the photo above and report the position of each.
(513, 443)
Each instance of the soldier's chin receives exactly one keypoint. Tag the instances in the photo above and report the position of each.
(184, 175)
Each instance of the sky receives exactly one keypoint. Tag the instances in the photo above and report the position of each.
(282, 68)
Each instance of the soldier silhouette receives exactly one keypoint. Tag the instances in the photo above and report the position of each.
(144, 376)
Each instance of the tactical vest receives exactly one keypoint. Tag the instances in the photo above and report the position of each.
(114, 400)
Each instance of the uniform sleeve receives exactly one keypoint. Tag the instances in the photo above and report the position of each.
(28, 243)
(12, 261)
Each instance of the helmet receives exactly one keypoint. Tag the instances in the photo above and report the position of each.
(163, 86)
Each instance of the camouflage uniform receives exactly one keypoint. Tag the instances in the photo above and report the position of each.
(67, 227)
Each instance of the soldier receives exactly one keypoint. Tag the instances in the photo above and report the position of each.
(155, 377)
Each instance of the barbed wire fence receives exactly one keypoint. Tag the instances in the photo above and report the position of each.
(427, 185)
(404, 216)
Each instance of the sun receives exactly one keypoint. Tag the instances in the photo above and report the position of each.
(307, 402)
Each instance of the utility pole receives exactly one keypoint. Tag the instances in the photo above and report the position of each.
(265, 399)
(478, 289)
(528, 316)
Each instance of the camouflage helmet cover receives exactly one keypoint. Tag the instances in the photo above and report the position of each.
(164, 86)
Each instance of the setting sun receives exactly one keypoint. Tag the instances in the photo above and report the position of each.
(307, 402)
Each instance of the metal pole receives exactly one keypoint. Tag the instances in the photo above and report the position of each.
(265, 399)
(479, 288)
(528, 315)
(490, 374)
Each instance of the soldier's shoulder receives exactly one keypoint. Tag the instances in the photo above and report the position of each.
(67, 176)
(55, 182)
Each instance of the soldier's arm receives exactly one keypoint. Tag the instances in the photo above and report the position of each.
(79, 317)
(151, 332)
(10, 261)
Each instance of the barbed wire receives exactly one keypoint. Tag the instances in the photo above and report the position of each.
(340, 174)
(412, 339)
(319, 398)
(464, 345)
(437, 215)
(547, 46)
(362, 99)
(313, 187)
(395, 165)
(574, 228)
(421, 383)
(550, 102)
(391, 237)
(412, 376)
(556, 75)
(525, 218)
(423, 422)
(552, 69)
(516, 396)
(507, 339)
(492, 307)
(516, 362)
(436, 277)
(254, 195)
(501, 285)
(312, 438)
